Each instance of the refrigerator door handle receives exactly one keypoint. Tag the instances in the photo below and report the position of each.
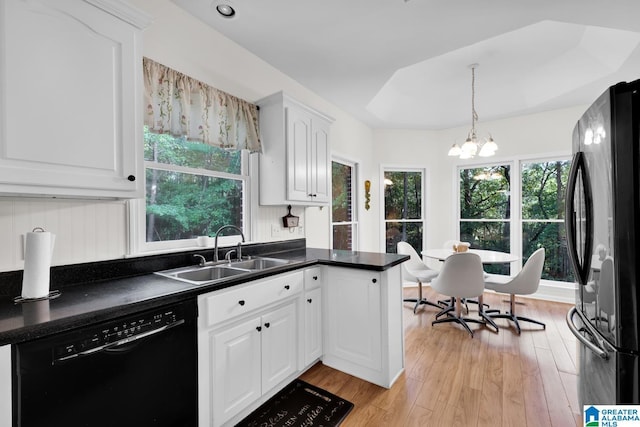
(579, 167)
(597, 349)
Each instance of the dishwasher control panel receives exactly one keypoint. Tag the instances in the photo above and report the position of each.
(118, 332)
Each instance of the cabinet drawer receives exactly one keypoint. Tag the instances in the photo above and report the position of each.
(223, 305)
(312, 278)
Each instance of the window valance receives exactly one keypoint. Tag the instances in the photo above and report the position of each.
(183, 106)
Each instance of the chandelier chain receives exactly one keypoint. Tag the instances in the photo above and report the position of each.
(474, 115)
(471, 146)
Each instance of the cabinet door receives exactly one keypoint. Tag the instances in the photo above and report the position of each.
(312, 325)
(279, 346)
(70, 116)
(236, 379)
(298, 154)
(354, 322)
(319, 161)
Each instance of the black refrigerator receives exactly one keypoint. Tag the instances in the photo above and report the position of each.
(603, 239)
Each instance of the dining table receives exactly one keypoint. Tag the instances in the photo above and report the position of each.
(486, 257)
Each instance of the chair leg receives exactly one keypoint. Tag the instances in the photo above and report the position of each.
(457, 317)
(484, 315)
(448, 308)
(454, 319)
(511, 315)
(420, 300)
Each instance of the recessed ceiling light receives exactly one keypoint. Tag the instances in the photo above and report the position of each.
(225, 10)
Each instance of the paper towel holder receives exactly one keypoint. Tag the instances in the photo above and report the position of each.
(52, 295)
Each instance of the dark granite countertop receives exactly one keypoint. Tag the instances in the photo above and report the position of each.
(136, 288)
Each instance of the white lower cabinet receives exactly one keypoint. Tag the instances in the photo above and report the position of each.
(255, 338)
(363, 323)
(279, 345)
(236, 380)
(312, 315)
(5, 385)
(250, 358)
(242, 357)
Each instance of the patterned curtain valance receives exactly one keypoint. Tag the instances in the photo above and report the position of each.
(183, 106)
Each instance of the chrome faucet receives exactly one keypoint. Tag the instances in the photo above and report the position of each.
(201, 260)
(239, 247)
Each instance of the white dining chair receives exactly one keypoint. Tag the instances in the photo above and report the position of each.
(416, 270)
(461, 277)
(524, 283)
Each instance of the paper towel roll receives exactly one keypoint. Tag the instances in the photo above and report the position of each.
(37, 264)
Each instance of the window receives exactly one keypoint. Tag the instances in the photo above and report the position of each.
(544, 186)
(344, 223)
(403, 209)
(192, 189)
(485, 210)
(197, 142)
(493, 217)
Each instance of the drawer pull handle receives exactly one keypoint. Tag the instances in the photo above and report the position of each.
(374, 280)
(315, 277)
(258, 328)
(266, 325)
(309, 300)
(241, 302)
(287, 287)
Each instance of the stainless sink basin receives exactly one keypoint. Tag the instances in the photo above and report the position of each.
(207, 274)
(259, 263)
(212, 273)
(201, 275)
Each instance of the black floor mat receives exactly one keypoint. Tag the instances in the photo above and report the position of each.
(299, 404)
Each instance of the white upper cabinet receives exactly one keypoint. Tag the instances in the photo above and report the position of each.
(294, 165)
(71, 84)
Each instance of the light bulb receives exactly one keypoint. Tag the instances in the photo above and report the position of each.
(454, 150)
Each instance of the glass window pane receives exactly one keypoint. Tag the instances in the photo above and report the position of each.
(403, 195)
(493, 236)
(165, 148)
(410, 232)
(486, 235)
(551, 237)
(485, 193)
(343, 237)
(341, 192)
(543, 189)
(183, 206)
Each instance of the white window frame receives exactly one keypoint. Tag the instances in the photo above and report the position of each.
(137, 212)
(355, 224)
(423, 211)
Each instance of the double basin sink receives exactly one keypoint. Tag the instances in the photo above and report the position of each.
(207, 274)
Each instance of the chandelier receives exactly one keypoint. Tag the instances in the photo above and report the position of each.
(472, 146)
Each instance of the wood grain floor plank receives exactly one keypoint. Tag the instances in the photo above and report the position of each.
(513, 408)
(558, 405)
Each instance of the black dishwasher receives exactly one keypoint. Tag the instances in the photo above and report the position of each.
(139, 370)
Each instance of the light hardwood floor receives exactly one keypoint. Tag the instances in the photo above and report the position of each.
(451, 379)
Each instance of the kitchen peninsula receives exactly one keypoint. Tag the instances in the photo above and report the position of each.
(358, 290)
